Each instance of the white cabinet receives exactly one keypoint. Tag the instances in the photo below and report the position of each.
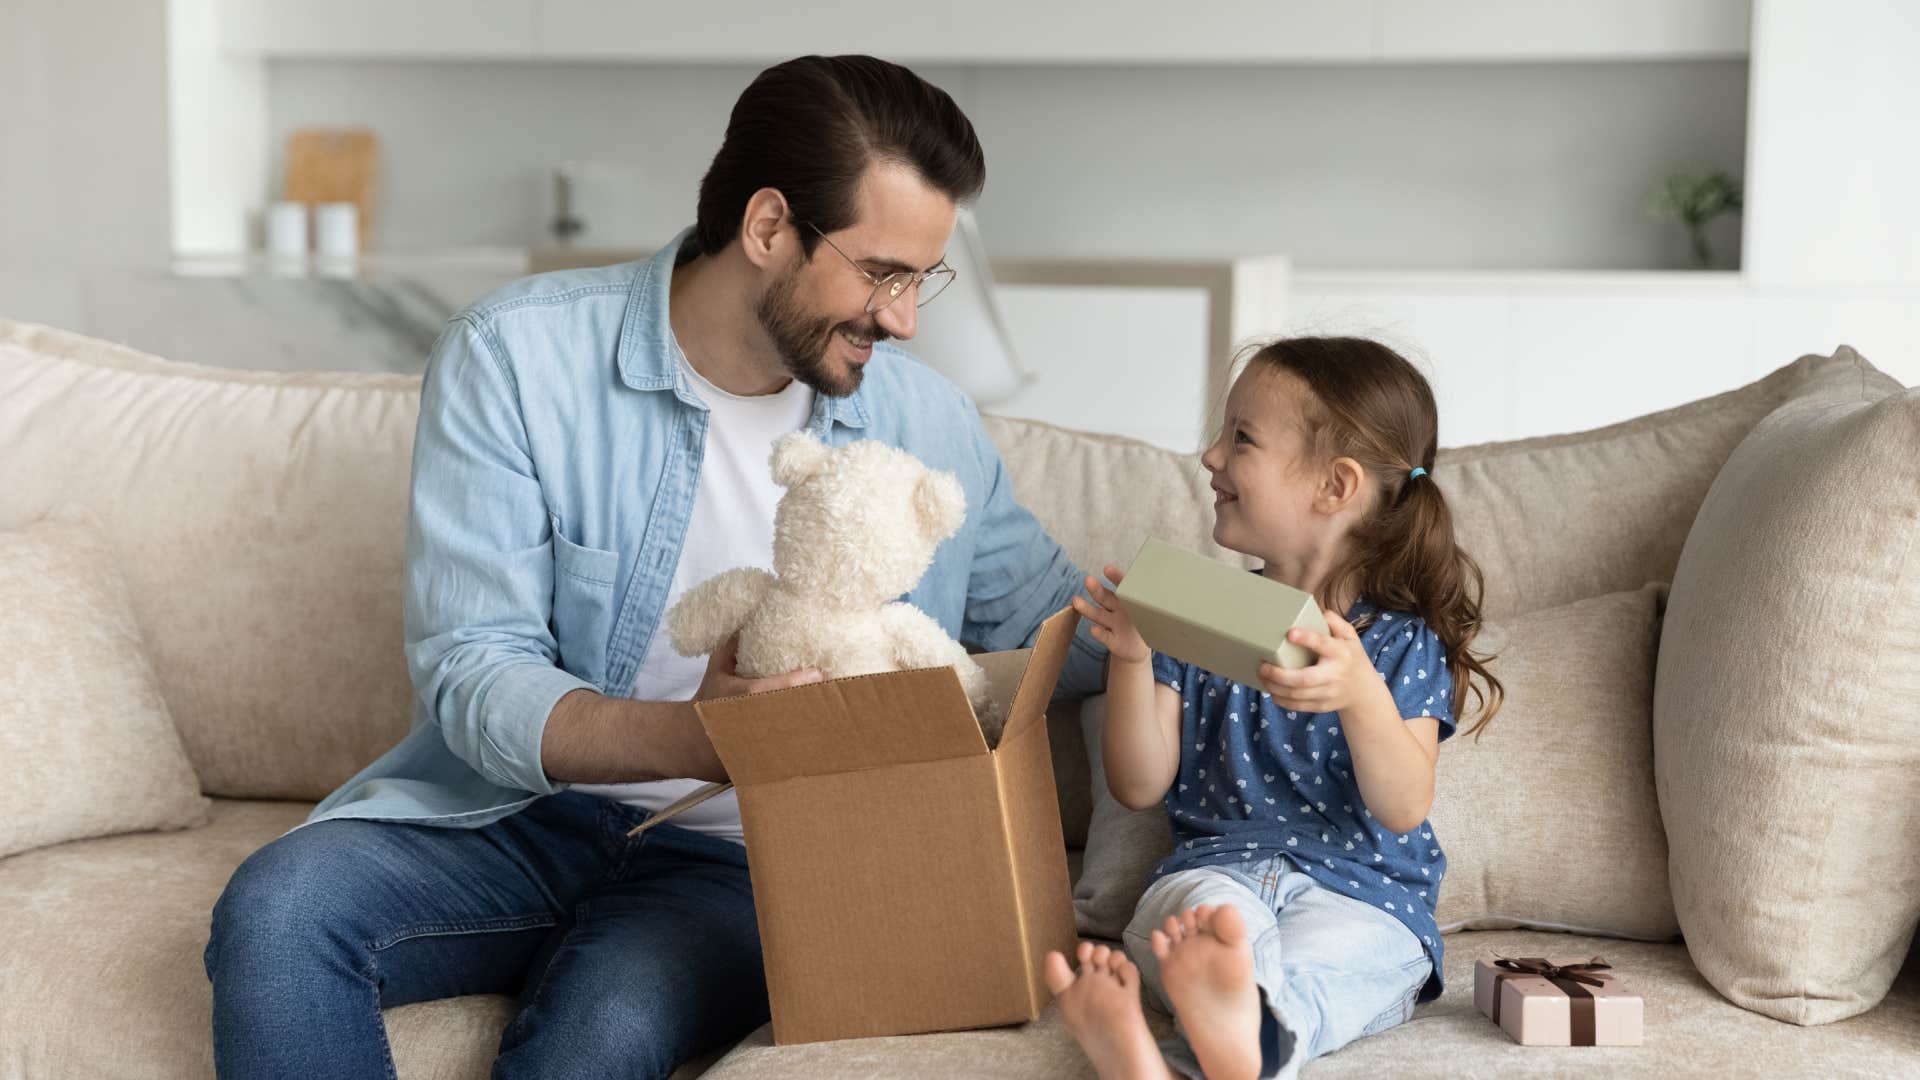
(980, 31)
(992, 31)
(344, 29)
(1141, 32)
(752, 31)
(1437, 30)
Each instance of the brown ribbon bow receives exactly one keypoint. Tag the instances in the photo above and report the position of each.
(1568, 977)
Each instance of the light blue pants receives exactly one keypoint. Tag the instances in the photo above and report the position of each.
(1330, 968)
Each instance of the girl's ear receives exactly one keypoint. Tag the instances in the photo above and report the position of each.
(1343, 485)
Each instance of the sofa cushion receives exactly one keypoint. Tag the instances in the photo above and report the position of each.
(89, 745)
(1786, 723)
(1071, 778)
(111, 930)
(1691, 1031)
(260, 520)
(106, 936)
(1548, 815)
(1123, 845)
(1551, 519)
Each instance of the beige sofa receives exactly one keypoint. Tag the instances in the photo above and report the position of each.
(258, 519)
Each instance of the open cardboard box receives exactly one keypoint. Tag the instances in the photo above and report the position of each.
(908, 878)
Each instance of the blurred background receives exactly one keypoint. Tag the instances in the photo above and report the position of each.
(1569, 213)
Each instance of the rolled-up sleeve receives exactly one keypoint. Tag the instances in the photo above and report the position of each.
(1020, 576)
(479, 574)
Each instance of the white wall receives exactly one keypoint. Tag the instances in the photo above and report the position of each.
(1471, 166)
(216, 106)
(1834, 167)
(83, 147)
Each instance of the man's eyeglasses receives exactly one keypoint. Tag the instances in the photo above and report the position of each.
(890, 287)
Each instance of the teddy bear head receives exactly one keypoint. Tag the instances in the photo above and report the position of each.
(858, 524)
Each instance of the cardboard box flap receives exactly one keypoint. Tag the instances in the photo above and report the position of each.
(843, 725)
(1043, 671)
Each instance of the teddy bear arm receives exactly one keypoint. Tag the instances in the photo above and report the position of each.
(919, 642)
(714, 610)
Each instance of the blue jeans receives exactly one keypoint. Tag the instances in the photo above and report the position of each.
(627, 957)
(1330, 968)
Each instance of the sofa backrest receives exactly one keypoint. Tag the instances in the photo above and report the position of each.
(1550, 520)
(260, 519)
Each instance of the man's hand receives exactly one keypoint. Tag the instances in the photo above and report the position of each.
(591, 739)
(722, 681)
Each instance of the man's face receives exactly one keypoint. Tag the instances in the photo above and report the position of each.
(814, 312)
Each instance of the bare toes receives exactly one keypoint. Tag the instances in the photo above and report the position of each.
(1228, 925)
(1059, 976)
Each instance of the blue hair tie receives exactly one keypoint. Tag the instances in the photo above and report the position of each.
(1416, 474)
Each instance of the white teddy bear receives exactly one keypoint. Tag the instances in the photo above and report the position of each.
(856, 529)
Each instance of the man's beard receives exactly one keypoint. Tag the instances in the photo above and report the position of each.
(802, 339)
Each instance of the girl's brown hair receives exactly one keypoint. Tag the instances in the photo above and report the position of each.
(1369, 404)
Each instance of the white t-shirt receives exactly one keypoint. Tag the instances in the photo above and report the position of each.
(731, 525)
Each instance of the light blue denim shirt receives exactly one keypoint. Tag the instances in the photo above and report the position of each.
(554, 469)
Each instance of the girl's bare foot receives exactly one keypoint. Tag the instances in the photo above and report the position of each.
(1206, 966)
(1101, 1006)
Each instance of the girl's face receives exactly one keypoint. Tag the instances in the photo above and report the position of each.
(1263, 483)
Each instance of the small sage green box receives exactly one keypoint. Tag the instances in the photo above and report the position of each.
(1214, 616)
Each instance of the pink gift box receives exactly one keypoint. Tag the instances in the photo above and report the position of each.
(1561, 1002)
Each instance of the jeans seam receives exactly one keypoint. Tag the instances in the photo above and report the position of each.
(448, 929)
(628, 855)
(1403, 1003)
(546, 973)
(370, 972)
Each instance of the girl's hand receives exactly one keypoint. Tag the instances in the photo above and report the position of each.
(1342, 675)
(1111, 625)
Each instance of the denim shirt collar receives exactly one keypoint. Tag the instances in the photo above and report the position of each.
(649, 357)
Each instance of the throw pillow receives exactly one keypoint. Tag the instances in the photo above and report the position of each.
(1787, 710)
(89, 745)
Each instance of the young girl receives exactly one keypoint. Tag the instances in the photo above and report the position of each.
(1296, 911)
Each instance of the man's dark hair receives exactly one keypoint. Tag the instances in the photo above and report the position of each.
(810, 127)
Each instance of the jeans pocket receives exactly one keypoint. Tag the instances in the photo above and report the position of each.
(583, 588)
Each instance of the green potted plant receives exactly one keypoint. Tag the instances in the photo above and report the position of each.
(1694, 200)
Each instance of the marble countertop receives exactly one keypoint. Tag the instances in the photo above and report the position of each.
(379, 314)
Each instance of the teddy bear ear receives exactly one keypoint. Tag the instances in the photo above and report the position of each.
(797, 458)
(940, 505)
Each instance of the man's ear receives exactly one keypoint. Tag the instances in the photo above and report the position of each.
(764, 236)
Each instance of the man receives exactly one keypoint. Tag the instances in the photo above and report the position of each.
(590, 444)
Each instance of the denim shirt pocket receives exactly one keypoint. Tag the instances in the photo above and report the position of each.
(583, 588)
